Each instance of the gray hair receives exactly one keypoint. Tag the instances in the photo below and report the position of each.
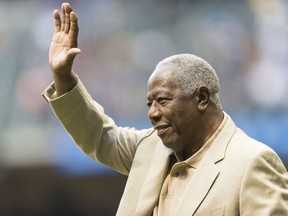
(193, 72)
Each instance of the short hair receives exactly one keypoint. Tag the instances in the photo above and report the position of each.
(193, 72)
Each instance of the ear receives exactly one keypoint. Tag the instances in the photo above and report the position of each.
(203, 95)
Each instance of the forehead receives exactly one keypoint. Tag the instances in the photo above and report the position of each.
(162, 74)
(161, 80)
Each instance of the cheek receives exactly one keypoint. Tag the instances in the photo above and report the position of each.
(178, 114)
(169, 113)
(177, 118)
(186, 116)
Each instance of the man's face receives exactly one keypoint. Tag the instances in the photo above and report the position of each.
(173, 114)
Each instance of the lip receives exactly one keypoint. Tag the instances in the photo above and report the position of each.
(161, 129)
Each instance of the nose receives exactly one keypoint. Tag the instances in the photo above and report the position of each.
(154, 113)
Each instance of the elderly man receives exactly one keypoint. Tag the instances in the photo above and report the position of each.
(194, 161)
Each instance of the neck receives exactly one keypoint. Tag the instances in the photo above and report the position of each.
(208, 127)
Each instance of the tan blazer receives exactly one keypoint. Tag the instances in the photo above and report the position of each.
(238, 175)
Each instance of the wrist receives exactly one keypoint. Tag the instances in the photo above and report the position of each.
(65, 83)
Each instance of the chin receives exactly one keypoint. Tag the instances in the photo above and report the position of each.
(170, 145)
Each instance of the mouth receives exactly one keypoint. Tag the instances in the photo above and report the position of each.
(161, 129)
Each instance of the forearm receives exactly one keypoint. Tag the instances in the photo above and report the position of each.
(64, 84)
(94, 132)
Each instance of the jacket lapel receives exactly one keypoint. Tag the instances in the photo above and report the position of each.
(154, 180)
(206, 173)
(199, 186)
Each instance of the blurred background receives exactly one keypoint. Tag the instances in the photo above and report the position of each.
(42, 172)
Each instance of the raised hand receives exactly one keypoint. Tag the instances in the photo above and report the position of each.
(64, 49)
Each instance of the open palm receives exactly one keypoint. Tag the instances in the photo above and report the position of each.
(63, 47)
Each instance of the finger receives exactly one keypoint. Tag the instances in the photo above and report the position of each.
(67, 10)
(74, 29)
(57, 21)
(63, 17)
(74, 22)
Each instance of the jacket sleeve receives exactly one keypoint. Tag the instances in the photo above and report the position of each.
(93, 131)
(264, 190)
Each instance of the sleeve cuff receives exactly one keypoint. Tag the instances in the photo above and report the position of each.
(50, 93)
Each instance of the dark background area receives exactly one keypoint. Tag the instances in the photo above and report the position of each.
(42, 191)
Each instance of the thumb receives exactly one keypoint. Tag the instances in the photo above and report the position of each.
(71, 54)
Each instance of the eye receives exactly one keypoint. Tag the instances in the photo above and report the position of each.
(162, 101)
(149, 104)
